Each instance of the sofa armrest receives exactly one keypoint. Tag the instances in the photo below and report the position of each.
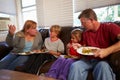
(114, 62)
(4, 49)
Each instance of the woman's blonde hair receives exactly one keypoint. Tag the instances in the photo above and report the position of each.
(56, 29)
(29, 24)
(77, 34)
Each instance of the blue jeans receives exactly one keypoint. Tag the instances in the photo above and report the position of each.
(101, 70)
(12, 60)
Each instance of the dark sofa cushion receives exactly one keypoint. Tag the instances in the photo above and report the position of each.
(4, 49)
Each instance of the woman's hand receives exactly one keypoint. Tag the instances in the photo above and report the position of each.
(12, 29)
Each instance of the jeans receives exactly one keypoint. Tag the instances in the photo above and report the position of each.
(101, 70)
(12, 60)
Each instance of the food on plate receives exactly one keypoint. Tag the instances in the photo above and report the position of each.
(87, 50)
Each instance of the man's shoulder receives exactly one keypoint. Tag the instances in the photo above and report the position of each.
(108, 24)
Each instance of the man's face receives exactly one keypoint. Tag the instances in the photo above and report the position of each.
(86, 23)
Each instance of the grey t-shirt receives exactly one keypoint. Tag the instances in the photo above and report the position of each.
(55, 46)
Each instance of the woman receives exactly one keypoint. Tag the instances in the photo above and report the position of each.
(28, 39)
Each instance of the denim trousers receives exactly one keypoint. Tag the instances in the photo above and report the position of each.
(12, 60)
(101, 70)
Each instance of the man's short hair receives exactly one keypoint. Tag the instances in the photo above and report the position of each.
(88, 13)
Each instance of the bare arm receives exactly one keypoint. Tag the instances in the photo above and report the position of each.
(107, 51)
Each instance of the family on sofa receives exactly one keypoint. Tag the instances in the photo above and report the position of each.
(105, 36)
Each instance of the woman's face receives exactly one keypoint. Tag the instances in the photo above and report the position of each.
(32, 31)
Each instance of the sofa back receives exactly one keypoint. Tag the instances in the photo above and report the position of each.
(64, 34)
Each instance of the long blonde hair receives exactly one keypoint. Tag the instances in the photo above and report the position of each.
(29, 24)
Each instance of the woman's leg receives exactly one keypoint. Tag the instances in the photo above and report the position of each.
(103, 71)
(79, 70)
(18, 61)
(7, 60)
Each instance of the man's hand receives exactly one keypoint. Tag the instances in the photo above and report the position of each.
(12, 29)
(102, 53)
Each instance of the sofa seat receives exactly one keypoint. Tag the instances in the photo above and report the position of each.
(113, 59)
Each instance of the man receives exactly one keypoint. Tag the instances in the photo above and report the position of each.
(102, 35)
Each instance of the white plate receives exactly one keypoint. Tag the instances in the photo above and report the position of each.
(31, 52)
(88, 50)
(26, 53)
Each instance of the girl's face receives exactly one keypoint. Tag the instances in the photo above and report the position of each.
(53, 34)
(74, 39)
(32, 31)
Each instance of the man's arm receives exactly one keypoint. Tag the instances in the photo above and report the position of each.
(110, 50)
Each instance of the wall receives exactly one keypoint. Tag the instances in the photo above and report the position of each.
(51, 12)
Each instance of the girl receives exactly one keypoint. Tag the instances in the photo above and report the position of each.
(53, 44)
(60, 67)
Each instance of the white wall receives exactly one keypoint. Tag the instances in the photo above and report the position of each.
(83, 4)
(51, 12)
(8, 7)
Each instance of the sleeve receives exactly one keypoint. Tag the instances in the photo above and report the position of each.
(114, 31)
(16, 40)
(40, 40)
(46, 43)
(61, 47)
(13, 40)
(9, 39)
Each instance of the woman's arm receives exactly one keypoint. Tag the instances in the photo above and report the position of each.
(10, 35)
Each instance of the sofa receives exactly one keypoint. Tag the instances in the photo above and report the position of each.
(113, 59)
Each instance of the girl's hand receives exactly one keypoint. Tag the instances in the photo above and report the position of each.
(54, 53)
(12, 29)
(76, 45)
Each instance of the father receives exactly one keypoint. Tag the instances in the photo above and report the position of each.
(102, 35)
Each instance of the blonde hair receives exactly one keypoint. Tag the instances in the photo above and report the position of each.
(29, 24)
(56, 29)
(77, 34)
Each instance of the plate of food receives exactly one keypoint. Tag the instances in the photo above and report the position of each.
(26, 53)
(40, 51)
(87, 50)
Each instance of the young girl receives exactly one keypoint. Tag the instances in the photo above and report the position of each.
(53, 44)
(60, 67)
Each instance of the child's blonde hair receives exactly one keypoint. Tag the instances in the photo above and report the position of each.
(55, 28)
(77, 34)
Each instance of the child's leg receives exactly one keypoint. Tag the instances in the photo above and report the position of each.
(54, 70)
(65, 69)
